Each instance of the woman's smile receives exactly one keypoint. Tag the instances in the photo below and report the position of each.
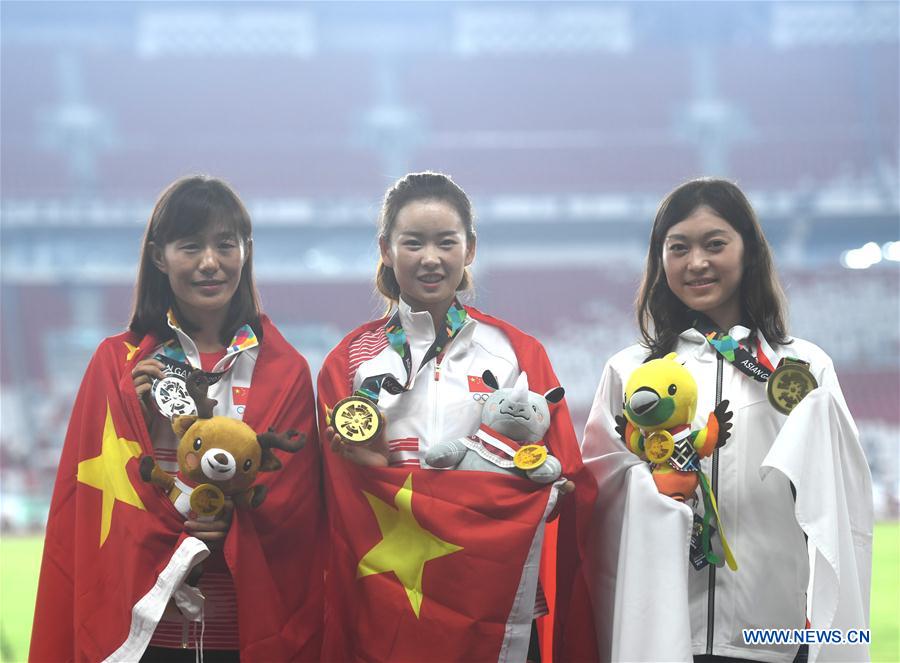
(428, 251)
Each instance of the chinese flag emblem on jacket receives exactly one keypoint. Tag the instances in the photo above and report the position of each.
(477, 385)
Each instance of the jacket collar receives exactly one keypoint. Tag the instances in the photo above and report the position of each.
(419, 326)
(184, 350)
(702, 350)
(739, 333)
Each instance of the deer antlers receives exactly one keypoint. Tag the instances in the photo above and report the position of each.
(289, 441)
(198, 386)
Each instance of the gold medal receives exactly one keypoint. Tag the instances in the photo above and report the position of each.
(207, 500)
(659, 446)
(789, 384)
(357, 420)
(530, 456)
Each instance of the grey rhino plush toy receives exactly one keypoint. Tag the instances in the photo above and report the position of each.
(511, 418)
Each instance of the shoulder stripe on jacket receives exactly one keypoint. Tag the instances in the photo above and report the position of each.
(363, 348)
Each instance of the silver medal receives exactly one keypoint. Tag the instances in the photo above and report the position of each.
(171, 394)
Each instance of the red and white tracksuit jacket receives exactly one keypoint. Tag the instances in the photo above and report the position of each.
(445, 398)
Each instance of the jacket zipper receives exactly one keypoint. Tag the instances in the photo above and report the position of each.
(437, 367)
(711, 592)
(436, 385)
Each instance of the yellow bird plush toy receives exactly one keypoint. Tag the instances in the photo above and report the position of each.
(660, 403)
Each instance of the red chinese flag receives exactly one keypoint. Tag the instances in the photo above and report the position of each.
(430, 565)
(115, 551)
(466, 610)
(100, 507)
(239, 395)
(476, 384)
(567, 634)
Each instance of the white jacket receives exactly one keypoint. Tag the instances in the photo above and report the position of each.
(650, 604)
(236, 369)
(441, 404)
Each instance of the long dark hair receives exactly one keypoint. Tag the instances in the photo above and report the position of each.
(661, 315)
(415, 187)
(187, 207)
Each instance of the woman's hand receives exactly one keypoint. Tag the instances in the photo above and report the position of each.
(374, 454)
(212, 533)
(143, 374)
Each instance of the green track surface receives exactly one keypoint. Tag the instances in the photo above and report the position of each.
(885, 604)
(20, 564)
(20, 560)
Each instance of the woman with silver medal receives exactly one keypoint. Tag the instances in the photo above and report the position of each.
(710, 293)
(197, 309)
(199, 241)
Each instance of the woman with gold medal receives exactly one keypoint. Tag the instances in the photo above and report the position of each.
(395, 387)
(710, 294)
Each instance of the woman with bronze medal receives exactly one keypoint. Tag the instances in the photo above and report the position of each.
(710, 294)
(392, 389)
(136, 595)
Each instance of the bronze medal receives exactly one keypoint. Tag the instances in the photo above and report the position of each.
(659, 446)
(530, 456)
(789, 384)
(207, 500)
(357, 420)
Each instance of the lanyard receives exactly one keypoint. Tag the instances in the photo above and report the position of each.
(244, 339)
(759, 368)
(396, 335)
(172, 366)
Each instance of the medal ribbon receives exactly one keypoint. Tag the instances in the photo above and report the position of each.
(185, 485)
(244, 339)
(372, 386)
(396, 336)
(499, 441)
(759, 368)
(709, 510)
(167, 360)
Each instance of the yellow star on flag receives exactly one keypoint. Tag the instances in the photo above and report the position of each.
(106, 473)
(131, 350)
(405, 546)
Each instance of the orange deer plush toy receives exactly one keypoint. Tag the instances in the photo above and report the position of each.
(218, 459)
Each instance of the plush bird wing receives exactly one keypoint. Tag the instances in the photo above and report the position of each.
(633, 438)
(621, 424)
(716, 432)
(723, 416)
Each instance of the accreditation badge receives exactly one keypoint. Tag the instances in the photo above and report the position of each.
(789, 384)
(697, 553)
(357, 420)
